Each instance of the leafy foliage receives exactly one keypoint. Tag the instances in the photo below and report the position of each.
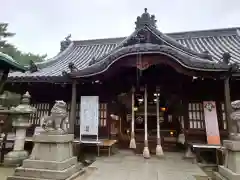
(11, 50)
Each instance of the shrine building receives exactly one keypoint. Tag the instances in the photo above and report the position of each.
(151, 85)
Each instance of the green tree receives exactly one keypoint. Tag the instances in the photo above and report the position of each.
(11, 50)
(4, 34)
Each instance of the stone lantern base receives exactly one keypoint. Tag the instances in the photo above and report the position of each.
(15, 158)
(51, 158)
(231, 168)
(18, 154)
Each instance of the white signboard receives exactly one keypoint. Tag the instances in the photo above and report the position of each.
(211, 122)
(89, 115)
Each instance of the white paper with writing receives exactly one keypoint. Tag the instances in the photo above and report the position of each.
(89, 115)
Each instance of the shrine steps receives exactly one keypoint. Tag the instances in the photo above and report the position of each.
(73, 177)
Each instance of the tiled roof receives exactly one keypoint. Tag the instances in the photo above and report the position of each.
(216, 42)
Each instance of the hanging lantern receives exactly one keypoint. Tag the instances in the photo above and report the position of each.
(139, 120)
(138, 70)
(142, 65)
(163, 109)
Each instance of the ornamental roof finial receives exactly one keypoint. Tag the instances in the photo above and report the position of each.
(65, 43)
(145, 19)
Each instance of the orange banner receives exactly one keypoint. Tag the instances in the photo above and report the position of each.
(211, 122)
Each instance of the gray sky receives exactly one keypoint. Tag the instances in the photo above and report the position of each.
(40, 25)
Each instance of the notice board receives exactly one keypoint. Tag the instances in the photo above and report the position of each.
(89, 115)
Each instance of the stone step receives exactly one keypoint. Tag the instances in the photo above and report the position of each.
(24, 178)
(219, 176)
(51, 165)
(77, 174)
(47, 174)
(74, 176)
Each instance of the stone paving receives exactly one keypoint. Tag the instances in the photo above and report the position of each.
(125, 166)
(5, 171)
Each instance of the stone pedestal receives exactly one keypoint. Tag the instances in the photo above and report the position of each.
(231, 168)
(51, 158)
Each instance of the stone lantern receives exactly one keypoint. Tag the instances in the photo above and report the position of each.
(7, 100)
(20, 121)
(231, 168)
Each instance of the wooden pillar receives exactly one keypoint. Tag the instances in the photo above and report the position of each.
(219, 115)
(132, 144)
(146, 153)
(185, 114)
(185, 105)
(159, 150)
(3, 80)
(73, 107)
(227, 104)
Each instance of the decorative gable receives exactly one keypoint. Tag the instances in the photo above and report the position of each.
(143, 35)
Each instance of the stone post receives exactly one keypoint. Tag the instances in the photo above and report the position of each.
(159, 150)
(146, 153)
(132, 144)
(21, 116)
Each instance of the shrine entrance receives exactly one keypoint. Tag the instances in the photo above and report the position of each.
(170, 119)
(135, 98)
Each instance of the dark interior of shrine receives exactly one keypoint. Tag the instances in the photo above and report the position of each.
(171, 108)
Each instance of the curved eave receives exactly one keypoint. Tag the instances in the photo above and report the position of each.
(189, 62)
(175, 44)
(8, 62)
(167, 40)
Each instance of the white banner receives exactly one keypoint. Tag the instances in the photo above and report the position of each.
(211, 122)
(89, 115)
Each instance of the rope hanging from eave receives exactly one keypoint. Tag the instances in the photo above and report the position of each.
(138, 70)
